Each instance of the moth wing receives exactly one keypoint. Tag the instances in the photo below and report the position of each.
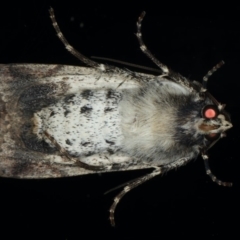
(26, 89)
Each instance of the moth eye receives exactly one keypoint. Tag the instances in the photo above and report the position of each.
(210, 111)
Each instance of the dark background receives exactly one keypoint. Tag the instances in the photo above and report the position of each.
(182, 203)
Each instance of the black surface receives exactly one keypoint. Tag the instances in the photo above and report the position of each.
(179, 204)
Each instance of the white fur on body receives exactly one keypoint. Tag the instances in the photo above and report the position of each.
(136, 123)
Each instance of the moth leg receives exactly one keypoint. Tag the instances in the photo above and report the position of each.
(210, 72)
(64, 152)
(175, 77)
(211, 175)
(70, 48)
(144, 49)
(135, 183)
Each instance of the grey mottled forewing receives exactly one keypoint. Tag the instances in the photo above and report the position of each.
(63, 100)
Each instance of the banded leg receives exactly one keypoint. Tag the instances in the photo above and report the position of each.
(64, 152)
(70, 48)
(175, 77)
(143, 47)
(128, 188)
(210, 72)
(212, 176)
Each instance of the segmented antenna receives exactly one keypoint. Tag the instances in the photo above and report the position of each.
(211, 175)
(143, 47)
(210, 72)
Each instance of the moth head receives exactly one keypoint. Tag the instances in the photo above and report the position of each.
(215, 120)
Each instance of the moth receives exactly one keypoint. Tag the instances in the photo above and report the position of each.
(58, 120)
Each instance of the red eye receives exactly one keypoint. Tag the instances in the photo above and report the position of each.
(210, 111)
